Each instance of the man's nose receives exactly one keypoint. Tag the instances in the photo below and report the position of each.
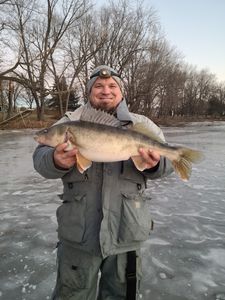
(106, 90)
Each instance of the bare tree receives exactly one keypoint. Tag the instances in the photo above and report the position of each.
(216, 103)
(81, 44)
(197, 91)
(39, 31)
(124, 30)
(149, 88)
(67, 39)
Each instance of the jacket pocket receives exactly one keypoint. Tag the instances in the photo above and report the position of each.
(71, 218)
(135, 222)
(132, 181)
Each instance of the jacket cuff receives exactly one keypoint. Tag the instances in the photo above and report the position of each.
(44, 163)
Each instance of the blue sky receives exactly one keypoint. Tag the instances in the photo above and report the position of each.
(197, 29)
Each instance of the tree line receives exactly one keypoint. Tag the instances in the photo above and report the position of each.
(48, 49)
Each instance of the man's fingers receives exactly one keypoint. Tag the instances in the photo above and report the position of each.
(150, 157)
(61, 147)
(149, 154)
(68, 153)
(64, 158)
(144, 154)
(154, 155)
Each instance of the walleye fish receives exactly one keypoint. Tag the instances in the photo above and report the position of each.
(99, 138)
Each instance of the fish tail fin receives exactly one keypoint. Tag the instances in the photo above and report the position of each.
(183, 164)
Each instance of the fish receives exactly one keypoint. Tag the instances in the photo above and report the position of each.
(99, 137)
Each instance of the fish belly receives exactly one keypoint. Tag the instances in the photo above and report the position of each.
(106, 147)
(100, 156)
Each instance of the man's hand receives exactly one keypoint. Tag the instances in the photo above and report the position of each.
(151, 158)
(64, 159)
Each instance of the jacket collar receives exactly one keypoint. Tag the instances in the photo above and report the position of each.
(123, 113)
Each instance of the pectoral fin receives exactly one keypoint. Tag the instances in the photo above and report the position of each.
(82, 163)
(70, 146)
(139, 163)
(69, 141)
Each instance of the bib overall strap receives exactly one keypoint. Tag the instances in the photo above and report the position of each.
(131, 275)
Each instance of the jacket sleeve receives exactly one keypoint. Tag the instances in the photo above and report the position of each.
(43, 159)
(44, 163)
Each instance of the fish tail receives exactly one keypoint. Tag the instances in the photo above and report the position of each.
(183, 164)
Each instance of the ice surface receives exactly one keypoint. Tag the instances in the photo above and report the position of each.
(184, 257)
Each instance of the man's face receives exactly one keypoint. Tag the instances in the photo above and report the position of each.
(105, 94)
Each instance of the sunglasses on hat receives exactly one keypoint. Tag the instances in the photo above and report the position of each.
(105, 73)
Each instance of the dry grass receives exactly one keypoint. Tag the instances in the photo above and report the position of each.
(182, 121)
(51, 117)
(32, 122)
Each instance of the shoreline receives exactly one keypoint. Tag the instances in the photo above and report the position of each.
(32, 124)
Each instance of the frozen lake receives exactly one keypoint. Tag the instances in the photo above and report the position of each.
(185, 255)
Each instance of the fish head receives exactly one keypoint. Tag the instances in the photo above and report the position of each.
(51, 136)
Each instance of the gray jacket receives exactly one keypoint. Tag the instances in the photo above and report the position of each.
(103, 211)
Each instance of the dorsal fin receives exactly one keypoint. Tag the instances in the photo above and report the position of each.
(141, 128)
(93, 115)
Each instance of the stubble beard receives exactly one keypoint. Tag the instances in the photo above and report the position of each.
(104, 106)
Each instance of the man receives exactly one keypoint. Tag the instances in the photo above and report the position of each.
(103, 219)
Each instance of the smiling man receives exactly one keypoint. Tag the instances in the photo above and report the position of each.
(103, 219)
(105, 91)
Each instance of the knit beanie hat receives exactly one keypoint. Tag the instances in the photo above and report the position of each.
(104, 72)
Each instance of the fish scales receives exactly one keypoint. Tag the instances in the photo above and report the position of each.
(100, 142)
(114, 141)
